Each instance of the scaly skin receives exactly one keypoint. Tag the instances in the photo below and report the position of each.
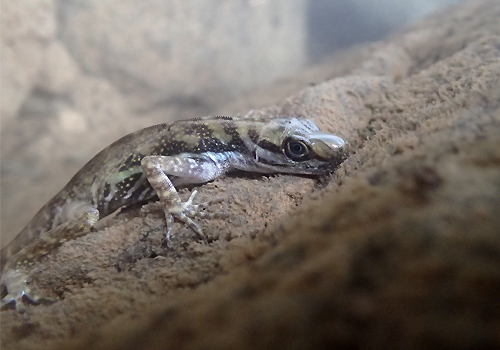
(158, 160)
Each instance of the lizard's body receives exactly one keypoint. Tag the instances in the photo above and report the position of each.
(157, 160)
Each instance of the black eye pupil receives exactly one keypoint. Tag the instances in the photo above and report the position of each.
(297, 148)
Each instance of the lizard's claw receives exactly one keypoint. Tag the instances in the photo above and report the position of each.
(187, 211)
(17, 287)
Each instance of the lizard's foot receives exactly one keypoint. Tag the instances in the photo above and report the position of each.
(17, 287)
(187, 211)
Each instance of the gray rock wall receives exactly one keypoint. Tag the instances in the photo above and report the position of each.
(160, 52)
(76, 75)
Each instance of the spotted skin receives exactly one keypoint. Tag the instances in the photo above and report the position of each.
(156, 161)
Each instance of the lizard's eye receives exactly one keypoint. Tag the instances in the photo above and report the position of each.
(296, 150)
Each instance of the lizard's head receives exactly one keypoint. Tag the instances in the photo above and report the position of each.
(293, 145)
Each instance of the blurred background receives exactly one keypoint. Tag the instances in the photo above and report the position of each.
(78, 74)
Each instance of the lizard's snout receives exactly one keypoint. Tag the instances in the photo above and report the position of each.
(332, 141)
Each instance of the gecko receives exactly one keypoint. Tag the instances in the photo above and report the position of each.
(158, 160)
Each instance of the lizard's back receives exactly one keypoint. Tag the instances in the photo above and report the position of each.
(114, 178)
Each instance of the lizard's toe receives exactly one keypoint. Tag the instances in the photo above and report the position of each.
(18, 290)
(187, 212)
(15, 299)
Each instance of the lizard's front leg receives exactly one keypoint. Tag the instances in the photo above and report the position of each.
(78, 217)
(187, 169)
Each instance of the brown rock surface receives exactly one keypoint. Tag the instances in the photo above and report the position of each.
(400, 250)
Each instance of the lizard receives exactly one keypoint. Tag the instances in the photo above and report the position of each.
(158, 160)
